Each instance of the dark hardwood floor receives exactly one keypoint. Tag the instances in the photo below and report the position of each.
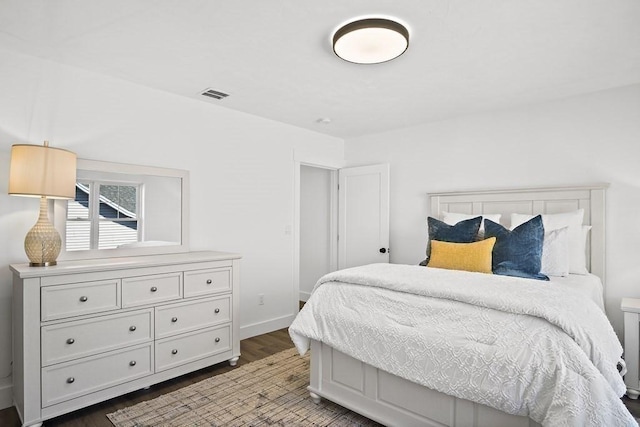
(252, 349)
(633, 406)
(94, 416)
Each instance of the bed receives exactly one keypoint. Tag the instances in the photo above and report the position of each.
(378, 378)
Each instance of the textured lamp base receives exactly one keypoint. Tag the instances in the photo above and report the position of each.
(42, 243)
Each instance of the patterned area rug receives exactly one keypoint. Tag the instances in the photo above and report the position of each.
(268, 392)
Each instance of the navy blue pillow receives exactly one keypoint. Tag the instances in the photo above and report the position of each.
(517, 252)
(462, 232)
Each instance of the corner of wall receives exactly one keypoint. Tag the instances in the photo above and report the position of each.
(265, 327)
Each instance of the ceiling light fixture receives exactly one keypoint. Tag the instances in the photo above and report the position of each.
(371, 41)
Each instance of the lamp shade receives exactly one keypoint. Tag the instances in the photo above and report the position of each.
(40, 170)
(371, 41)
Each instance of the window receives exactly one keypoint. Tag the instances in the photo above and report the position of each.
(104, 215)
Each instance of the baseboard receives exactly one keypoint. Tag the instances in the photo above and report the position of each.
(6, 393)
(266, 326)
(304, 296)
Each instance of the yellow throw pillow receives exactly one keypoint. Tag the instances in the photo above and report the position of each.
(474, 256)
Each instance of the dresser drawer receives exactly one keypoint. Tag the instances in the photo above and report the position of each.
(202, 282)
(183, 317)
(151, 289)
(171, 352)
(58, 302)
(69, 380)
(83, 338)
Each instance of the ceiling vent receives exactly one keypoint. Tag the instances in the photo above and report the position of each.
(214, 94)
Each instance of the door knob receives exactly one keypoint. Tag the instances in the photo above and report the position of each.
(383, 250)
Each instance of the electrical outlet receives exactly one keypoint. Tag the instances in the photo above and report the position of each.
(261, 299)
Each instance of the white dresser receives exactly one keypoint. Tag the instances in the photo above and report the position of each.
(87, 331)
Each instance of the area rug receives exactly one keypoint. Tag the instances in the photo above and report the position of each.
(268, 392)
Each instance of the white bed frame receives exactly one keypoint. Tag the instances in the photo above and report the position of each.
(394, 401)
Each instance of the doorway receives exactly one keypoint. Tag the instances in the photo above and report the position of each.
(364, 191)
(318, 226)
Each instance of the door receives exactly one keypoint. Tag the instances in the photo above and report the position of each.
(363, 215)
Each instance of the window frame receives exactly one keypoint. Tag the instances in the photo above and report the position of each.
(94, 218)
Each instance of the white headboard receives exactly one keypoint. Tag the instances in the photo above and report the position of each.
(535, 201)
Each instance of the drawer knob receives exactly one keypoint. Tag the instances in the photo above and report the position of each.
(153, 289)
(70, 380)
(132, 363)
(209, 281)
(174, 319)
(132, 328)
(83, 299)
(174, 351)
(216, 311)
(70, 341)
(217, 339)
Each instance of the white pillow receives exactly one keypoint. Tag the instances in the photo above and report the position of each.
(577, 237)
(583, 241)
(452, 218)
(555, 253)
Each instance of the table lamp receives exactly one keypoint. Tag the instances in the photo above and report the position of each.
(45, 172)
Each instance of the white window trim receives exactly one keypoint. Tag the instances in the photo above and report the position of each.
(94, 211)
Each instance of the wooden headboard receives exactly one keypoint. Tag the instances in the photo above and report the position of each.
(535, 201)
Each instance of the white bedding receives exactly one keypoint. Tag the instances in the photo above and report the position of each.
(588, 285)
(518, 345)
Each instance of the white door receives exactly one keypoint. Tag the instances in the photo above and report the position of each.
(363, 215)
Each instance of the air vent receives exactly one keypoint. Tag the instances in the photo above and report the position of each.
(214, 94)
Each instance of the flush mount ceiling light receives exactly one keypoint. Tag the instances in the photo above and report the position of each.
(371, 41)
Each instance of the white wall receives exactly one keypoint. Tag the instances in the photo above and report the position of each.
(241, 166)
(315, 227)
(587, 139)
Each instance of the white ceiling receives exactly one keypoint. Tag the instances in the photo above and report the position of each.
(275, 60)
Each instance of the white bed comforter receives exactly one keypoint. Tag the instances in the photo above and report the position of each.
(518, 345)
